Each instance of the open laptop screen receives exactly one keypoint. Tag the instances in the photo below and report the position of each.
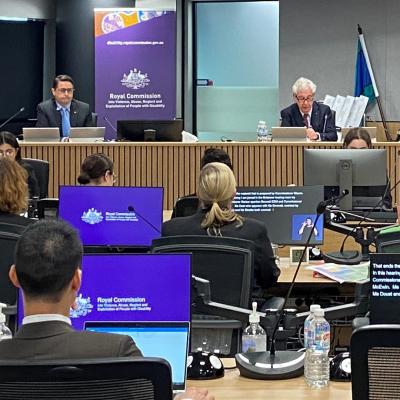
(113, 216)
(132, 287)
(168, 340)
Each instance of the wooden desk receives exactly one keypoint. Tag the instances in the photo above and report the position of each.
(175, 166)
(233, 386)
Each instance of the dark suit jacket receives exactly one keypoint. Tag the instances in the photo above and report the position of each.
(49, 117)
(54, 340)
(322, 120)
(266, 272)
(14, 219)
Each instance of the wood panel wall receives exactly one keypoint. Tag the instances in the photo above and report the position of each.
(175, 166)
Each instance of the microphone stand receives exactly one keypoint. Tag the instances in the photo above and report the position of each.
(280, 364)
(12, 117)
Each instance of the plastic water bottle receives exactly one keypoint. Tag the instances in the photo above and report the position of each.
(262, 132)
(5, 333)
(317, 358)
(254, 337)
(307, 323)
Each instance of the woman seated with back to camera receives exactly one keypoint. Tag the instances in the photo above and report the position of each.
(97, 170)
(9, 147)
(13, 193)
(358, 138)
(216, 190)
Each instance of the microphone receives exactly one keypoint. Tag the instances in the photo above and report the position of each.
(110, 124)
(354, 256)
(132, 209)
(22, 109)
(321, 207)
(325, 118)
(279, 364)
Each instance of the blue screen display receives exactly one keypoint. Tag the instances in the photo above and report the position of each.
(113, 216)
(132, 287)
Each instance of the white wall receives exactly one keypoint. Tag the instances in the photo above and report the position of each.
(41, 9)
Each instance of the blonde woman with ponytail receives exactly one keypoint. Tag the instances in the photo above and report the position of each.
(216, 190)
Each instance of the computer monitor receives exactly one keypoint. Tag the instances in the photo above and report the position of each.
(139, 131)
(360, 171)
(288, 212)
(113, 216)
(131, 287)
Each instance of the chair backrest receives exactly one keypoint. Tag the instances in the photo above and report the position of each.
(226, 262)
(388, 240)
(100, 379)
(9, 235)
(375, 361)
(185, 206)
(41, 169)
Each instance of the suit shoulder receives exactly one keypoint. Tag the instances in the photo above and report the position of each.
(46, 104)
(80, 104)
(173, 225)
(255, 224)
(288, 110)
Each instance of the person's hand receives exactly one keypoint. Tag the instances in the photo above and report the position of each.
(311, 134)
(195, 394)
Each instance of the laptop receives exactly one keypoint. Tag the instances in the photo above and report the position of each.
(168, 340)
(288, 134)
(384, 299)
(87, 134)
(41, 134)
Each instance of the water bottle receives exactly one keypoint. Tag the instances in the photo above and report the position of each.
(317, 358)
(307, 324)
(262, 132)
(254, 337)
(5, 333)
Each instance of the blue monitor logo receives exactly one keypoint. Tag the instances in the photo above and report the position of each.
(92, 216)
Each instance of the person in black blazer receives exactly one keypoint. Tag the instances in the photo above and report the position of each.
(316, 117)
(216, 190)
(49, 111)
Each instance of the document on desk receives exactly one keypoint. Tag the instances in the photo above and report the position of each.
(343, 273)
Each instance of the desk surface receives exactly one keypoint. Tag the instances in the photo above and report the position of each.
(233, 386)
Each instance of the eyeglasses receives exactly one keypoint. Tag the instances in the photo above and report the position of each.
(308, 99)
(7, 153)
(66, 90)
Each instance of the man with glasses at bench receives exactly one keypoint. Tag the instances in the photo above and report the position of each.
(317, 118)
(63, 111)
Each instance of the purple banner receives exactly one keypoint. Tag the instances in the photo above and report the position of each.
(135, 66)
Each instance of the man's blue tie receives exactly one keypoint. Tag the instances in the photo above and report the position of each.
(65, 124)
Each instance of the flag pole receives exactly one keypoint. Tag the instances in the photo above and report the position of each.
(371, 73)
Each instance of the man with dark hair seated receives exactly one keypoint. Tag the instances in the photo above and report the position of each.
(47, 268)
(48, 259)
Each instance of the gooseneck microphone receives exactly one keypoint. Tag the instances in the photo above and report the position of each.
(22, 109)
(321, 207)
(325, 118)
(110, 124)
(132, 209)
(352, 256)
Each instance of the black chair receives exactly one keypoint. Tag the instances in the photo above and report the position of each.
(100, 379)
(375, 361)
(185, 206)
(388, 240)
(41, 169)
(9, 235)
(228, 264)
